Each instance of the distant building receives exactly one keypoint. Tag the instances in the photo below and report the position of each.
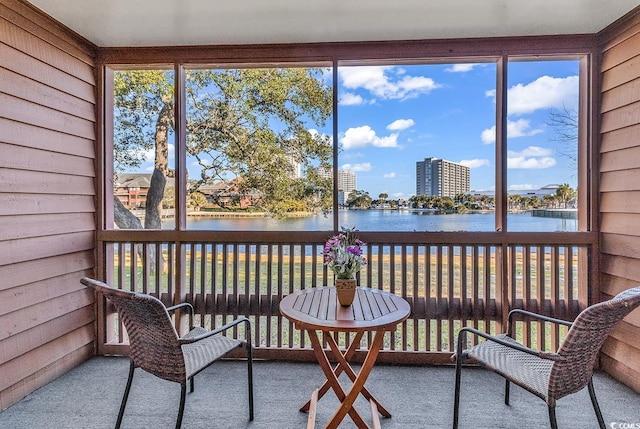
(441, 178)
(226, 194)
(540, 193)
(294, 167)
(550, 189)
(132, 188)
(347, 183)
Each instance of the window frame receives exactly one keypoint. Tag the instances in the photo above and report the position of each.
(500, 51)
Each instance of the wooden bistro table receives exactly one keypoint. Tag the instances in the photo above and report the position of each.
(317, 310)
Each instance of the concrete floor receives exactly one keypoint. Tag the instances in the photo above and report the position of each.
(417, 397)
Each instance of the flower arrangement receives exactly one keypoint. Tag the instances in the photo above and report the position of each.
(343, 254)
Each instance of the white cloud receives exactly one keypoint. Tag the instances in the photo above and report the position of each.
(350, 99)
(475, 163)
(488, 136)
(389, 175)
(318, 135)
(543, 93)
(365, 136)
(532, 151)
(461, 68)
(386, 82)
(531, 158)
(400, 124)
(149, 155)
(530, 163)
(519, 128)
(365, 166)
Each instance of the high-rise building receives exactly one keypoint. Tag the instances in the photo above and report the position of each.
(294, 167)
(438, 177)
(347, 183)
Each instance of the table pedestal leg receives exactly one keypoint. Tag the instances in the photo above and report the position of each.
(344, 364)
(339, 368)
(359, 380)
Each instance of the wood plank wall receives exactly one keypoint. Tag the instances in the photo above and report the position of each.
(47, 200)
(620, 188)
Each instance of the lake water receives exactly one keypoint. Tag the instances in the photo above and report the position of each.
(385, 220)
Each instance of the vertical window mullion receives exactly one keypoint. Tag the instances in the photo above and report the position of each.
(180, 115)
(334, 89)
(501, 145)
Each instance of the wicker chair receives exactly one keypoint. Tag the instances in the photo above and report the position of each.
(548, 375)
(156, 347)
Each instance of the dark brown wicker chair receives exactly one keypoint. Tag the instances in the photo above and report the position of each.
(550, 376)
(156, 347)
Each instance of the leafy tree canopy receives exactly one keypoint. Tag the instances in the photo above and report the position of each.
(253, 124)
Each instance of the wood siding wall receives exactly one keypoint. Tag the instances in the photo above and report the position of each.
(47, 200)
(620, 189)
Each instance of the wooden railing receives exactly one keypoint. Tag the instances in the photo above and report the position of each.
(450, 279)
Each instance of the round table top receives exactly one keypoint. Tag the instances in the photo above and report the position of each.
(318, 308)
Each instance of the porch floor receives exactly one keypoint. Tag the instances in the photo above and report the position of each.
(417, 397)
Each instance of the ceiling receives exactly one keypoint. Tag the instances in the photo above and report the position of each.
(117, 23)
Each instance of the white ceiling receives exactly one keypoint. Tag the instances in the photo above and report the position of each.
(113, 23)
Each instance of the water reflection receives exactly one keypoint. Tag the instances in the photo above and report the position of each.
(385, 220)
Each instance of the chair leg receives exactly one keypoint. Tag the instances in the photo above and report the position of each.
(507, 389)
(183, 395)
(456, 400)
(552, 417)
(127, 389)
(250, 377)
(596, 407)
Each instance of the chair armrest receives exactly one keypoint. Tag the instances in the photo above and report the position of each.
(531, 315)
(515, 346)
(184, 304)
(221, 329)
(539, 317)
(189, 308)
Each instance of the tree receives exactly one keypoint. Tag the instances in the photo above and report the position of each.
(196, 200)
(241, 123)
(565, 123)
(565, 193)
(515, 201)
(550, 200)
(359, 199)
(444, 203)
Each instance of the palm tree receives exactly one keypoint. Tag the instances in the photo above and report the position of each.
(565, 193)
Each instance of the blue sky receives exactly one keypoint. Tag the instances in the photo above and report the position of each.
(390, 117)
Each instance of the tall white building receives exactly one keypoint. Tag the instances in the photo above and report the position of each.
(294, 167)
(438, 177)
(347, 183)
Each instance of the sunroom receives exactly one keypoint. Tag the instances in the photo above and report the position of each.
(114, 167)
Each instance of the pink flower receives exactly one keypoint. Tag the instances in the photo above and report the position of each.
(343, 254)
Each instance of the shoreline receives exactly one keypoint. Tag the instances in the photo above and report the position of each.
(212, 214)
